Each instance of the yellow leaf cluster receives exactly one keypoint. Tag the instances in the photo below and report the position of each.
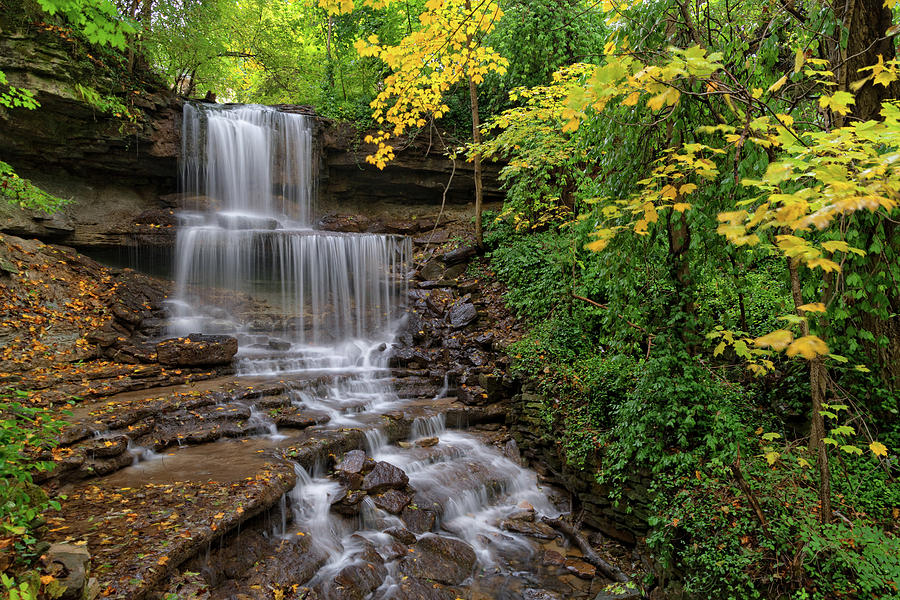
(427, 63)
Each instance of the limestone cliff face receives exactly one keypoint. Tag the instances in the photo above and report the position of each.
(112, 169)
(418, 174)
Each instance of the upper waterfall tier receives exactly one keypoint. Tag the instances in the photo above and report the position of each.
(249, 161)
(248, 262)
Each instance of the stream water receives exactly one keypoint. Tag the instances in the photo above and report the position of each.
(248, 263)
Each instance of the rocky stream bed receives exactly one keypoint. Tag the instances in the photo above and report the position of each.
(181, 480)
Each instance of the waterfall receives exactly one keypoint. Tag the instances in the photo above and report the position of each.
(248, 262)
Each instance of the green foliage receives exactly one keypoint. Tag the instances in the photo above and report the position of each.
(107, 104)
(678, 417)
(98, 20)
(21, 192)
(536, 268)
(24, 432)
(705, 529)
(13, 97)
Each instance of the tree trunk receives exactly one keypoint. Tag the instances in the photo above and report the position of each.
(329, 63)
(679, 234)
(818, 385)
(476, 138)
(865, 22)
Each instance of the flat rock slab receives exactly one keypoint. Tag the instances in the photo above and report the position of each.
(197, 350)
(537, 530)
(138, 535)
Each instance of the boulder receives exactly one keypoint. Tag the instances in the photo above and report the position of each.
(461, 315)
(197, 350)
(401, 535)
(345, 223)
(432, 270)
(353, 462)
(383, 477)
(357, 580)
(580, 569)
(537, 530)
(70, 565)
(393, 501)
(442, 559)
(418, 520)
(410, 588)
(295, 419)
(459, 255)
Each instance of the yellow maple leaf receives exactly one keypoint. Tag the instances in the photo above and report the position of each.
(878, 449)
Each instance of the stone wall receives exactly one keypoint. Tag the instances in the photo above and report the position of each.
(625, 521)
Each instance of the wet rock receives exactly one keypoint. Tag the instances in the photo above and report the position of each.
(418, 520)
(348, 503)
(70, 565)
(427, 442)
(433, 237)
(393, 551)
(411, 588)
(197, 350)
(401, 535)
(353, 462)
(408, 358)
(473, 395)
(536, 530)
(553, 558)
(485, 340)
(295, 419)
(127, 316)
(345, 223)
(580, 569)
(103, 337)
(357, 580)
(393, 501)
(462, 315)
(383, 477)
(231, 221)
(459, 255)
(455, 272)
(107, 448)
(522, 514)
(432, 270)
(532, 594)
(280, 345)
(442, 559)
(437, 301)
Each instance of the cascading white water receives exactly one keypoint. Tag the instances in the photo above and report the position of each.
(249, 264)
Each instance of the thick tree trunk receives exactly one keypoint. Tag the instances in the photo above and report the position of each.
(865, 23)
(476, 137)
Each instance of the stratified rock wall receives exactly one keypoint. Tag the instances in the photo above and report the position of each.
(112, 168)
(418, 175)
